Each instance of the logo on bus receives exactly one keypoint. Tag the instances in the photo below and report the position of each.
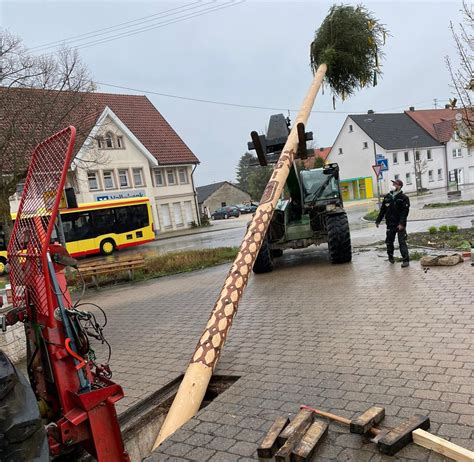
(119, 195)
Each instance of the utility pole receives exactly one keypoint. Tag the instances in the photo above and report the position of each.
(436, 103)
(378, 183)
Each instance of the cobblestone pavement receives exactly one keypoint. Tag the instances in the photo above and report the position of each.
(341, 338)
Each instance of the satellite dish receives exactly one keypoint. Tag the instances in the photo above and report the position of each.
(458, 117)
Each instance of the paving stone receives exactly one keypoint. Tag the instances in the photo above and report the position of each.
(200, 454)
(243, 448)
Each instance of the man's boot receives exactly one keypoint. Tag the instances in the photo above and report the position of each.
(391, 259)
(405, 264)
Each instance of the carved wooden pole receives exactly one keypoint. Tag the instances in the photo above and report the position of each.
(198, 374)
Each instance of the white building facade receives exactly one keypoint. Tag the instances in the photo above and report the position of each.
(409, 152)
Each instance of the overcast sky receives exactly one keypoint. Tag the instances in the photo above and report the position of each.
(251, 53)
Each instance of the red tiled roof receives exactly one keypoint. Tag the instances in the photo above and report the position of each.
(322, 152)
(136, 112)
(428, 119)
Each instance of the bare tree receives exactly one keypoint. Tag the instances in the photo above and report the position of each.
(420, 167)
(39, 95)
(462, 75)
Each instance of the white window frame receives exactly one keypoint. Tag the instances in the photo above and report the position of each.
(178, 214)
(138, 170)
(457, 153)
(351, 128)
(95, 173)
(188, 212)
(417, 156)
(440, 174)
(127, 176)
(406, 156)
(429, 154)
(109, 136)
(430, 175)
(408, 178)
(340, 151)
(161, 172)
(163, 208)
(365, 145)
(397, 176)
(172, 172)
(183, 170)
(120, 143)
(112, 177)
(395, 158)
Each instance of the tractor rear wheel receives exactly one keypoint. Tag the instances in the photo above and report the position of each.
(277, 253)
(264, 261)
(339, 238)
(22, 433)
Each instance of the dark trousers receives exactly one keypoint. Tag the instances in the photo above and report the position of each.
(402, 242)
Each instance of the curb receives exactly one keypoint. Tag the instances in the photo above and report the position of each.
(427, 219)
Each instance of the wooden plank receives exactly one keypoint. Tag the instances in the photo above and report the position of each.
(269, 445)
(303, 417)
(442, 446)
(284, 453)
(400, 436)
(363, 423)
(304, 449)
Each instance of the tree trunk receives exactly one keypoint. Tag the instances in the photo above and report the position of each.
(6, 223)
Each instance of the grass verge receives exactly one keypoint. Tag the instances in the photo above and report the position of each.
(372, 215)
(439, 205)
(457, 240)
(166, 265)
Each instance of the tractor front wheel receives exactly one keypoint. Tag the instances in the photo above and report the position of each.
(22, 433)
(264, 261)
(339, 238)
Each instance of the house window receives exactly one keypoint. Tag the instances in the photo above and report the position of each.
(417, 156)
(223, 204)
(93, 181)
(183, 175)
(365, 145)
(397, 177)
(456, 136)
(109, 140)
(340, 150)
(170, 176)
(395, 157)
(457, 153)
(123, 178)
(407, 157)
(188, 212)
(408, 178)
(166, 216)
(430, 175)
(428, 154)
(120, 142)
(138, 177)
(351, 129)
(440, 174)
(100, 142)
(109, 181)
(159, 177)
(178, 216)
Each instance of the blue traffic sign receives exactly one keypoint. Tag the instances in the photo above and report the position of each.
(383, 163)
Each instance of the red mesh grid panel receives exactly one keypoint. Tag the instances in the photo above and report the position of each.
(35, 220)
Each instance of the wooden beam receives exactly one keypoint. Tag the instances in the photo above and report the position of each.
(442, 446)
(364, 422)
(305, 448)
(269, 445)
(303, 418)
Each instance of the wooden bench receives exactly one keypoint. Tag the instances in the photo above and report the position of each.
(92, 270)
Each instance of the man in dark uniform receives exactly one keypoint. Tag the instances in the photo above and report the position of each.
(395, 208)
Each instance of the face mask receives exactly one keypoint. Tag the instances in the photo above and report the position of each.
(393, 188)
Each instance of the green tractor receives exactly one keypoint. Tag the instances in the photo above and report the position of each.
(311, 211)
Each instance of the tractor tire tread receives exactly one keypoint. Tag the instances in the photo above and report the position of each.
(264, 261)
(339, 238)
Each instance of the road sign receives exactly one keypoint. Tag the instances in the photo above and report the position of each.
(377, 169)
(383, 163)
(379, 156)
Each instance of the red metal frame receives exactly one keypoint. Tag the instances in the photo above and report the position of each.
(76, 415)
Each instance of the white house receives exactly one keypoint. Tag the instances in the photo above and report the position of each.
(131, 151)
(410, 152)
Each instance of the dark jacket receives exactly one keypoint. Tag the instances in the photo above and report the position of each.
(395, 209)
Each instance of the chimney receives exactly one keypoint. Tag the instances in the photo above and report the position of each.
(370, 111)
(321, 149)
(412, 108)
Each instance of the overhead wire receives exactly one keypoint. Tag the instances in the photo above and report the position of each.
(116, 27)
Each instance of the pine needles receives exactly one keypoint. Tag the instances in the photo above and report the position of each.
(349, 42)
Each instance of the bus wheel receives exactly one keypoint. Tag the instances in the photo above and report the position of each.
(107, 247)
(3, 266)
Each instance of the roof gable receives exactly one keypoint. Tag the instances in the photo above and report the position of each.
(203, 192)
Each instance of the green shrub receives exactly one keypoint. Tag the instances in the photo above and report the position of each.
(443, 229)
(372, 215)
(453, 228)
(432, 230)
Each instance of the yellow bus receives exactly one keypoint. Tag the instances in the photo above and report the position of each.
(102, 227)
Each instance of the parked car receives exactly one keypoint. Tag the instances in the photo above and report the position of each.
(247, 208)
(225, 212)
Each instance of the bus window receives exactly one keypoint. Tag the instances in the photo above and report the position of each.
(104, 221)
(131, 218)
(77, 226)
